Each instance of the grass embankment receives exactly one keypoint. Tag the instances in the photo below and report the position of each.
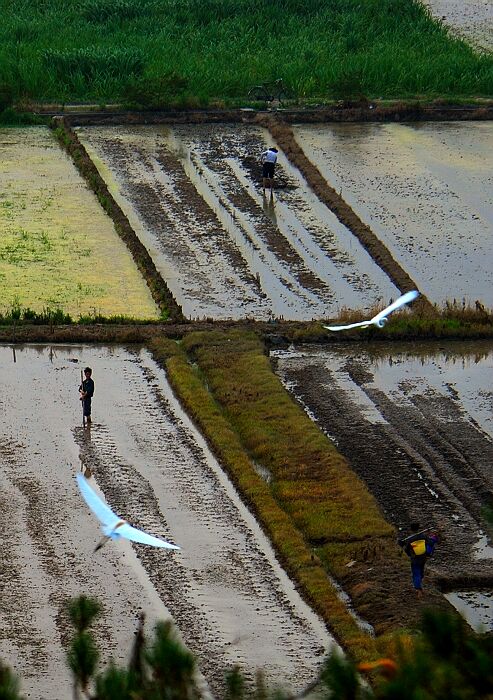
(192, 52)
(157, 286)
(454, 321)
(316, 511)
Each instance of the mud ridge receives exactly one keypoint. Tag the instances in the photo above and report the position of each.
(275, 333)
(344, 112)
(283, 134)
(158, 287)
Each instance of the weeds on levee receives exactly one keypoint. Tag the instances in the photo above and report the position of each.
(25, 316)
(194, 52)
(318, 514)
(454, 319)
(445, 660)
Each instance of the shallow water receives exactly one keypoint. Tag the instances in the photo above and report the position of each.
(230, 599)
(475, 606)
(425, 189)
(194, 195)
(415, 421)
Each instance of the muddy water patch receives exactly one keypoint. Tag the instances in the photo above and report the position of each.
(425, 190)
(246, 257)
(299, 232)
(476, 607)
(230, 599)
(424, 453)
(50, 555)
(188, 241)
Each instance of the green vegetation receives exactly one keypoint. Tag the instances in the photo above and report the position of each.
(157, 286)
(453, 320)
(193, 52)
(17, 315)
(318, 514)
(447, 661)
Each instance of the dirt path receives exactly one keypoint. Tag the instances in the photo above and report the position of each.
(229, 598)
(416, 425)
(472, 20)
(194, 196)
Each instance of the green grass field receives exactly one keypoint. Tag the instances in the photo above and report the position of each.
(196, 52)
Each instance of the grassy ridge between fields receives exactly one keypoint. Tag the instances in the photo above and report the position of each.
(192, 52)
(316, 511)
(160, 292)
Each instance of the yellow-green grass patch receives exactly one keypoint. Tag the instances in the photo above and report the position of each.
(58, 249)
(325, 500)
(311, 479)
(294, 551)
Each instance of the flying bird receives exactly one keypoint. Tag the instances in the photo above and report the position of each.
(381, 318)
(113, 526)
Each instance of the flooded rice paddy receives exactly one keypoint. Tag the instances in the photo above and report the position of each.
(425, 189)
(416, 423)
(58, 249)
(194, 196)
(230, 600)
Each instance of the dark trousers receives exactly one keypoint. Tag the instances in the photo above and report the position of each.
(418, 571)
(86, 405)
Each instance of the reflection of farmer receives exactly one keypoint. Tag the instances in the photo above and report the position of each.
(269, 159)
(86, 391)
(419, 546)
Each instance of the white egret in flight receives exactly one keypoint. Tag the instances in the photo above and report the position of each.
(381, 318)
(113, 526)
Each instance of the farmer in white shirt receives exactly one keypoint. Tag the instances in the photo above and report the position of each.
(269, 159)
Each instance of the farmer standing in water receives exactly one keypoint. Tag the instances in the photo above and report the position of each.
(269, 160)
(86, 391)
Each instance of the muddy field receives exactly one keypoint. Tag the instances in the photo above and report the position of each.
(417, 425)
(194, 196)
(224, 589)
(472, 20)
(426, 191)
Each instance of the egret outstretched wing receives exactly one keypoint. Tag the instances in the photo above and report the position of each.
(98, 507)
(404, 299)
(136, 535)
(361, 324)
(113, 525)
(380, 318)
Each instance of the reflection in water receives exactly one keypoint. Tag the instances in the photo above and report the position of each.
(269, 208)
(461, 353)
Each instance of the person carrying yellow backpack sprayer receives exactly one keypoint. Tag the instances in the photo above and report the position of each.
(419, 546)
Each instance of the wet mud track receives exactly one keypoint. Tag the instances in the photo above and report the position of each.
(194, 197)
(417, 426)
(229, 598)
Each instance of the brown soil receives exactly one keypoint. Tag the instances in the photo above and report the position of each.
(344, 112)
(427, 461)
